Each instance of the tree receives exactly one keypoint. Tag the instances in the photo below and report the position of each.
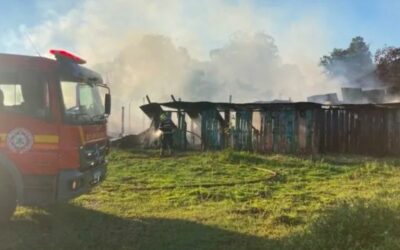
(353, 63)
(388, 65)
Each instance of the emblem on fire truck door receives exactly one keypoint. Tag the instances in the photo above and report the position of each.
(20, 140)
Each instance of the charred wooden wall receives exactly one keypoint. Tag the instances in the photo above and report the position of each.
(295, 128)
(289, 130)
(372, 130)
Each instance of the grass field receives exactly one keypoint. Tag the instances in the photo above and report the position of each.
(224, 200)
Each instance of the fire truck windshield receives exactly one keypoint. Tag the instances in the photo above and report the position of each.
(82, 103)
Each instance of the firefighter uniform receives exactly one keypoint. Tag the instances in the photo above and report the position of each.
(167, 127)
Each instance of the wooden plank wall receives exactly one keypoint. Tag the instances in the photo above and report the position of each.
(369, 130)
(360, 130)
(211, 130)
(180, 135)
(243, 130)
(288, 130)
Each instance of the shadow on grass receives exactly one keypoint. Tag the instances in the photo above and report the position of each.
(72, 227)
(357, 225)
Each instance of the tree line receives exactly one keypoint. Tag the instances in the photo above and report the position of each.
(357, 66)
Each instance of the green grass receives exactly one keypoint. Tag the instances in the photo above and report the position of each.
(223, 200)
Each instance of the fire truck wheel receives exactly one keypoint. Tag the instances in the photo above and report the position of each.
(8, 197)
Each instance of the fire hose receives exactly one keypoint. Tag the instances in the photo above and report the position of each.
(273, 176)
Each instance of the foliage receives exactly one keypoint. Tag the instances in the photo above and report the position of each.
(388, 65)
(353, 63)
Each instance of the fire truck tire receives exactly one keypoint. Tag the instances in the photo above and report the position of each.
(8, 197)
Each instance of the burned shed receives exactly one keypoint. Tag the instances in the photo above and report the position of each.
(302, 127)
(264, 127)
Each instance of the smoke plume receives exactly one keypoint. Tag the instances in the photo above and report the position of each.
(196, 51)
(248, 67)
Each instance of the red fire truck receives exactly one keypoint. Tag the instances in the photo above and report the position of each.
(53, 134)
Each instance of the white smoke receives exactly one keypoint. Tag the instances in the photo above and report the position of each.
(195, 50)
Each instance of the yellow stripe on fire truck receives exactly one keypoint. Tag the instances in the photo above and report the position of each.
(47, 139)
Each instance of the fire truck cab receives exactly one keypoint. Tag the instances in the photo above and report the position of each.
(53, 134)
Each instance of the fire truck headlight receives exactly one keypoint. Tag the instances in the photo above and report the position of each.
(76, 184)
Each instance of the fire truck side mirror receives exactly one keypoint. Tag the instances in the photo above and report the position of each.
(107, 104)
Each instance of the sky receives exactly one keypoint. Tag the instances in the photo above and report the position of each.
(376, 20)
(256, 50)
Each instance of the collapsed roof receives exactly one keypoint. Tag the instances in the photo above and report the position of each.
(193, 109)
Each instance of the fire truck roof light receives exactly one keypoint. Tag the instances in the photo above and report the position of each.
(66, 55)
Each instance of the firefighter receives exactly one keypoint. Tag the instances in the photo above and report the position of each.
(167, 128)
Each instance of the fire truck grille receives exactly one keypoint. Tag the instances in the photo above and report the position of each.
(93, 155)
